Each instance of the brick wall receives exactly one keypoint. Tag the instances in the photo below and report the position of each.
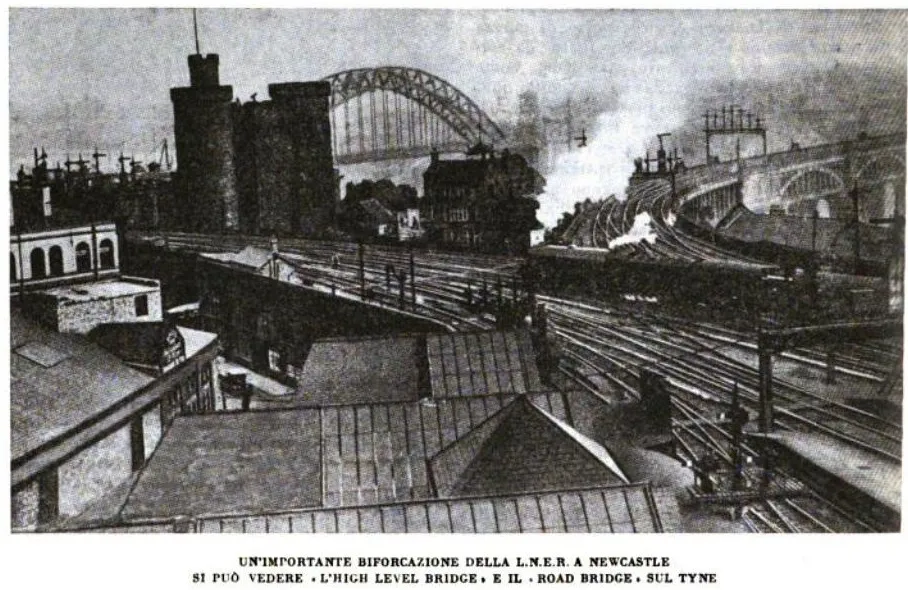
(80, 317)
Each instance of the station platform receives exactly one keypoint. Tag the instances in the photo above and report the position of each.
(860, 478)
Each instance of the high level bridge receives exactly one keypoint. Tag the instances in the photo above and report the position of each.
(798, 180)
(397, 112)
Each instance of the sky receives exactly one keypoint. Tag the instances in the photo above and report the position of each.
(85, 77)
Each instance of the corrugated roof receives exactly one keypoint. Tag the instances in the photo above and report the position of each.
(624, 509)
(482, 363)
(51, 398)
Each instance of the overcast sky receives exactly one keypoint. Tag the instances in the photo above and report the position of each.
(106, 73)
(136, 55)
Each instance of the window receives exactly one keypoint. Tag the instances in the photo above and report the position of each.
(106, 252)
(36, 258)
(274, 361)
(56, 261)
(141, 305)
(83, 257)
(45, 199)
(13, 276)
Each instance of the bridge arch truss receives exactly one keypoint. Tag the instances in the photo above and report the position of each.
(880, 168)
(814, 182)
(398, 112)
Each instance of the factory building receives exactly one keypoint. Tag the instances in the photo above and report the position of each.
(262, 167)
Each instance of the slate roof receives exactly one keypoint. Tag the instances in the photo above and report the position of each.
(343, 371)
(250, 461)
(525, 449)
(59, 381)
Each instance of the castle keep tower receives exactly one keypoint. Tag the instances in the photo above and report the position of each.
(205, 183)
(308, 182)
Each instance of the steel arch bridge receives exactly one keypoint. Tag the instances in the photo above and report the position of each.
(397, 112)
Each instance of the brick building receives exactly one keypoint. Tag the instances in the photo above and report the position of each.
(262, 167)
(486, 201)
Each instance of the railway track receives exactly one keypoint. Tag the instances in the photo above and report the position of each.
(602, 345)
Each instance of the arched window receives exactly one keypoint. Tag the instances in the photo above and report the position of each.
(56, 261)
(106, 254)
(36, 258)
(13, 274)
(83, 257)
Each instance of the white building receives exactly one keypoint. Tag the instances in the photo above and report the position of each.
(42, 259)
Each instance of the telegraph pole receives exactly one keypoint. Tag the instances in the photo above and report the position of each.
(362, 272)
(412, 278)
(857, 227)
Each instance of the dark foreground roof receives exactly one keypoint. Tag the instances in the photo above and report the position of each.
(403, 368)
(622, 509)
(253, 461)
(343, 371)
(497, 463)
(58, 382)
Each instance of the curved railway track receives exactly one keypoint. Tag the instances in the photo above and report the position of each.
(701, 362)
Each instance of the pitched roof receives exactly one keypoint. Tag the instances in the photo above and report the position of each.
(526, 450)
(376, 453)
(378, 212)
(250, 256)
(58, 381)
